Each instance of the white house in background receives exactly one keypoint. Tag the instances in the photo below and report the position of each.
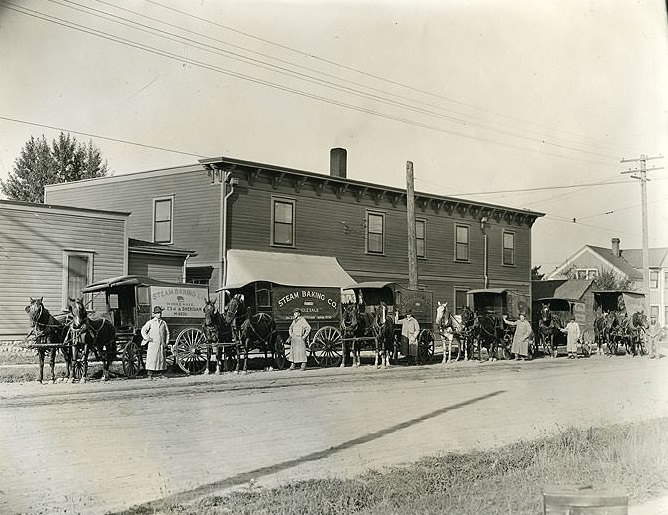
(626, 263)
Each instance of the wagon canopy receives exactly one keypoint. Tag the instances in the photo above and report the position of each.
(248, 266)
(127, 280)
(499, 301)
(619, 300)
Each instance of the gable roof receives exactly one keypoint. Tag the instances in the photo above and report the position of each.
(657, 257)
(149, 247)
(618, 262)
(560, 288)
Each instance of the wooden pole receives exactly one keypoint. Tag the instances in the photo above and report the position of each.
(410, 216)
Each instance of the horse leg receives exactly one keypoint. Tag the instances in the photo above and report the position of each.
(106, 363)
(40, 354)
(343, 354)
(53, 365)
(219, 359)
(208, 359)
(245, 370)
(84, 374)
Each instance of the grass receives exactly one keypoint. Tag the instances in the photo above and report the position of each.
(511, 479)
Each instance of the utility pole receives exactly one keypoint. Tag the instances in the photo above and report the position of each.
(645, 236)
(410, 215)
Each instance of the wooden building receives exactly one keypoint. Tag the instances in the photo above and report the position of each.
(226, 203)
(53, 251)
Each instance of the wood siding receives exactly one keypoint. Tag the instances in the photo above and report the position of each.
(196, 209)
(32, 242)
(162, 268)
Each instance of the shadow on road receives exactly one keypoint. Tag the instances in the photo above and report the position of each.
(245, 477)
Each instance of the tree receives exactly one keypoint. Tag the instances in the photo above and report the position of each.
(40, 164)
(606, 279)
(535, 273)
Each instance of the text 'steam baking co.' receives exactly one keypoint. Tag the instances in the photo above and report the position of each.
(150, 326)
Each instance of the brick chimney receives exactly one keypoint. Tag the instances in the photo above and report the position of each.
(615, 247)
(337, 162)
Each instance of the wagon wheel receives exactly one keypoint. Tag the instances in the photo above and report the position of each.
(587, 342)
(190, 351)
(613, 345)
(130, 359)
(327, 347)
(78, 362)
(507, 344)
(425, 346)
(279, 352)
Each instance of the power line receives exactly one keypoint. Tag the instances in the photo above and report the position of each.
(301, 76)
(361, 72)
(92, 135)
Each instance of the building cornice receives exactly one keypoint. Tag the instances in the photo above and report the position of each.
(63, 210)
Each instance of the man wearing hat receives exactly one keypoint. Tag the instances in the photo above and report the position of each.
(299, 331)
(155, 333)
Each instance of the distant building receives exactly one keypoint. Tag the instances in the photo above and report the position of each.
(627, 263)
(227, 204)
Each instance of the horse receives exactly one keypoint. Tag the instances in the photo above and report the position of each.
(216, 330)
(256, 331)
(487, 332)
(98, 334)
(615, 331)
(549, 328)
(51, 331)
(385, 339)
(451, 326)
(356, 325)
(638, 327)
(601, 330)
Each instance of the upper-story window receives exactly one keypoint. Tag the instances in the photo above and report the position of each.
(654, 279)
(163, 210)
(461, 242)
(508, 248)
(375, 232)
(283, 222)
(421, 237)
(586, 273)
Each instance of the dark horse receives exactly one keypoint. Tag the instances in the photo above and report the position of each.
(601, 330)
(488, 330)
(638, 328)
(549, 329)
(216, 331)
(87, 333)
(354, 326)
(251, 331)
(48, 331)
(385, 339)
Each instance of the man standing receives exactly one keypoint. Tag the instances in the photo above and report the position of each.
(155, 333)
(410, 330)
(654, 333)
(299, 331)
(523, 333)
(572, 331)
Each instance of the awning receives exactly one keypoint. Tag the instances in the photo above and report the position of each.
(248, 266)
(489, 290)
(131, 280)
(368, 284)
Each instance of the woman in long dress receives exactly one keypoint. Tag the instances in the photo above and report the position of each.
(299, 331)
(522, 337)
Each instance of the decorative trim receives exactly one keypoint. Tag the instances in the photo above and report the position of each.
(359, 195)
(300, 184)
(276, 180)
(253, 174)
(340, 189)
(319, 187)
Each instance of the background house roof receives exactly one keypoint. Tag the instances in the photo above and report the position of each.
(657, 257)
(618, 262)
(560, 288)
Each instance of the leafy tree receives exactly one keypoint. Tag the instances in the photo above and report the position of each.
(40, 164)
(535, 273)
(606, 279)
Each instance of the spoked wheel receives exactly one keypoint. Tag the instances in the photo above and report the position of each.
(130, 359)
(507, 344)
(426, 346)
(78, 362)
(327, 347)
(613, 346)
(279, 352)
(190, 351)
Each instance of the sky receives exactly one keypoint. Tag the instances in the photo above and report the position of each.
(524, 104)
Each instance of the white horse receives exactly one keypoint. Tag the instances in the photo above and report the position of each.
(450, 327)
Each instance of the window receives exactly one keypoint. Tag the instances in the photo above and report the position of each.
(283, 222)
(586, 273)
(263, 295)
(461, 242)
(665, 280)
(162, 220)
(460, 300)
(654, 279)
(77, 273)
(420, 237)
(375, 233)
(665, 315)
(654, 311)
(508, 248)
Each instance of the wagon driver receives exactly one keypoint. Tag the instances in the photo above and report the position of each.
(299, 331)
(155, 333)
(523, 334)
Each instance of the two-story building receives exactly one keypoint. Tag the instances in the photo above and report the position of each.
(224, 204)
(588, 261)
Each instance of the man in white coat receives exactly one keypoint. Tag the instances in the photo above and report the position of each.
(155, 333)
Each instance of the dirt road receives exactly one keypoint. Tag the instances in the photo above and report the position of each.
(104, 447)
